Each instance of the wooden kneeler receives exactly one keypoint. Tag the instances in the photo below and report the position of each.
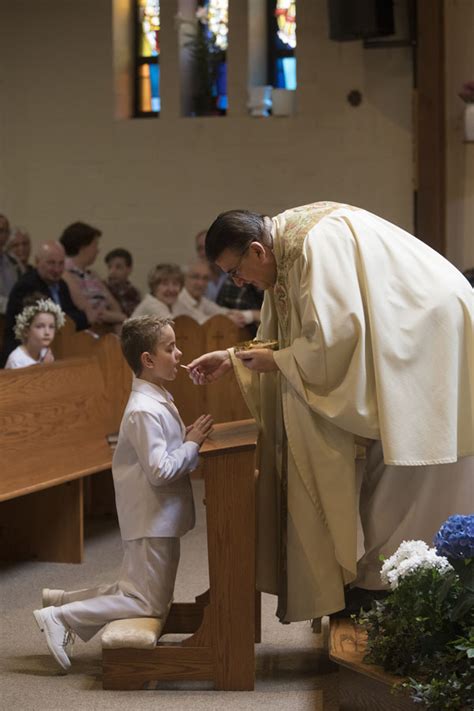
(224, 622)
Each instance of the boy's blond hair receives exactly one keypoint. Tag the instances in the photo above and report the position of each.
(140, 335)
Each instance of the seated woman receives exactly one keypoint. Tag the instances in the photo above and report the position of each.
(165, 281)
(35, 327)
(88, 291)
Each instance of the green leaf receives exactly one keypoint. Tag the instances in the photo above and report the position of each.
(464, 604)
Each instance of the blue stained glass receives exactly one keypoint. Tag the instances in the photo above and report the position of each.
(285, 73)
(221, 86)
(289, 70)
(155, 87)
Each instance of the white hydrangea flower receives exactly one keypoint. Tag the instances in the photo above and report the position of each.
(24, 319)
(410, 556)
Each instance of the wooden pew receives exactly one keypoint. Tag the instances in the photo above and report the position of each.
(224, 622)
(52, 434)
(116, 374)
(222, 399)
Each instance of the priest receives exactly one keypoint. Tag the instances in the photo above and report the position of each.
(374, 334)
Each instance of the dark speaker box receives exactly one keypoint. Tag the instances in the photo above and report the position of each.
(360, 19)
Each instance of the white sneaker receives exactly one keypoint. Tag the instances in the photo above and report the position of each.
(57, 635)
(52, 597)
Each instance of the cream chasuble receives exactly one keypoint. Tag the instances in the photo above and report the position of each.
(375, 340)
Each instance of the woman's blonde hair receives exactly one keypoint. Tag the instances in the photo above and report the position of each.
(164, 271)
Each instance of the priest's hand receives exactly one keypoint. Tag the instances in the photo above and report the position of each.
(209, 367)
(259, 359)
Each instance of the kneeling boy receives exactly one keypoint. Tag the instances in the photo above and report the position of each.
(151, 464)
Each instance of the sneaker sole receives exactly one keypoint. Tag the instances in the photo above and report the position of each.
(44, 629)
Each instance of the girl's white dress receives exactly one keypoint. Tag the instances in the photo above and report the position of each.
(19, 358)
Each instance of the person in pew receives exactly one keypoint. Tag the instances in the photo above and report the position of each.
(375, 345)
(10, 268)
(165, 281)
(88, 291)
(151, 464)
(193, 303)
(217, 277)
(46, 279)
(120, 264)
(19, 247)
(35, 327)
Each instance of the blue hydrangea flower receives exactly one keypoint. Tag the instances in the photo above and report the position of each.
(455, 538)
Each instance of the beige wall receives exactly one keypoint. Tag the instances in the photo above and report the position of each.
(460, 155)
(152, 184)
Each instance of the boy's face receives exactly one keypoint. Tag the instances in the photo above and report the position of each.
(162, 364)
(41, 332)
(118, 269)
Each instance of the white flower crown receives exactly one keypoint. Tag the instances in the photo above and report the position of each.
(42, 306)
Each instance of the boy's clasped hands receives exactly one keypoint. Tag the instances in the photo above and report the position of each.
(200, 429)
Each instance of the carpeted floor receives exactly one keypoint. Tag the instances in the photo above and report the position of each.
(292, 672)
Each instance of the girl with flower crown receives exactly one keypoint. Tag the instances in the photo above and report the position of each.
(35, 327)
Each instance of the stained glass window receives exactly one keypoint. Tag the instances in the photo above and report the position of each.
(210, 60)
(282, 44)
(147, 58)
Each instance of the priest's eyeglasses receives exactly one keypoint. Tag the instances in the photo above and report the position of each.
(235, 272)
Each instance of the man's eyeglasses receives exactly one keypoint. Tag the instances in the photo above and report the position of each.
(235, 272)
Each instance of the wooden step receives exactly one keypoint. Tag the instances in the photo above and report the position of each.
(362, 687)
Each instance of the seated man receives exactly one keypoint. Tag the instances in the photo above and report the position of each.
(192, 301)
(19, 247)
(246, 298)
(10, 269)
(44, 279)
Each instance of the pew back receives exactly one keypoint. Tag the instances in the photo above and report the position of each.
(222, 399)
(51, 425)
(116, 374)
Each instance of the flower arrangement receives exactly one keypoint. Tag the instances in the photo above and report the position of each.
(424, 629)
(24, 319)
(467, 92)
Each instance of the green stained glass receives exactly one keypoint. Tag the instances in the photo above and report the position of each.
(149, 28)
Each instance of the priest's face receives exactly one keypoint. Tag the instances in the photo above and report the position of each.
(255, 265)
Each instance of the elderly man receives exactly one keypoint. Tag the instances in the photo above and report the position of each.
(10, 269)
(19, 246)
(45, 279)
(192, 302)
(375, 344)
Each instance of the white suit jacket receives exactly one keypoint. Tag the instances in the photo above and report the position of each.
(151, 467)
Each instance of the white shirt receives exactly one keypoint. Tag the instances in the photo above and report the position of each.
(151, 466)
(201, 310)
(19, 358)
(151, 306)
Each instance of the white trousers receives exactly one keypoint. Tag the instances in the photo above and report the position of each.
(144, 589)
(406, 503)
